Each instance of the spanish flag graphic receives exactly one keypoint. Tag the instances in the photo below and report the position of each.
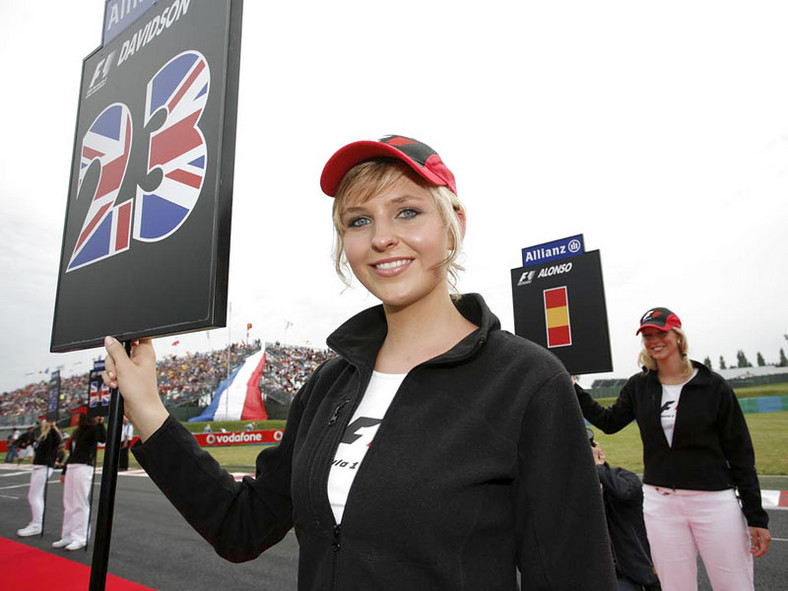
(556, 309)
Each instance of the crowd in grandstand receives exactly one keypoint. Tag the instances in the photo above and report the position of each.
(31, 399)
(183, 379)
(189, 378)
(287, 369)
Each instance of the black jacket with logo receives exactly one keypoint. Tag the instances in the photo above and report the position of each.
(83, 443)
(623, 496)
(481, 465)
(46, 449)
(711, 447)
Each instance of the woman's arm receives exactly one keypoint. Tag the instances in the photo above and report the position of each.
(560, 519)
(610, 420)
(737, 447)
(239, 519)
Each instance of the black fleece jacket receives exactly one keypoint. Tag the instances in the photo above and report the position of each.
(623, 496)
(83, 444)
(46, 449)
(711, 450)
(480, 466)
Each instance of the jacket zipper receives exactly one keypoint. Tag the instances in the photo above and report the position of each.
(335, 417)
(335, 547)
(336, 543)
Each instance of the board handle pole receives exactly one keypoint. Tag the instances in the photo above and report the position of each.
(109, 480)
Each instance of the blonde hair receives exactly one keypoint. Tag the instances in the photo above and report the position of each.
(647, 361)
(365, 180)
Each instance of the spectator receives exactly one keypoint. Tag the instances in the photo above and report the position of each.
(126, 435)
(622, 494)
(25, 445)
(13, 440)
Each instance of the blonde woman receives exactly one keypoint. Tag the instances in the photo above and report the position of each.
(697, 454)
(46, 445)
(435, 451)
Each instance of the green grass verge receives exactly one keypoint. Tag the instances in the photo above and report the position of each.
(780, 389)
(769, 432)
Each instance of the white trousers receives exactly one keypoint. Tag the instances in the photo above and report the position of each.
(681, 523)
(76, 502)
(35, 496)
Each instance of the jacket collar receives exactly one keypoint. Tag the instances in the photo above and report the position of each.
(703, 377)
(359, 339)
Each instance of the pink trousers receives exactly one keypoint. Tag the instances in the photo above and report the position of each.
(681, 523)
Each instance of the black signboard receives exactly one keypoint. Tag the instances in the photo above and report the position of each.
(53, 397)
(98, 393)
(147, 230)
(561, 305)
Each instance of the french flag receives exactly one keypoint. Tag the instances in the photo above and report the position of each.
(238, 397)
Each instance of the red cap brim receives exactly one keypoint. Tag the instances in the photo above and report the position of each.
(662, 328)
(349, 156)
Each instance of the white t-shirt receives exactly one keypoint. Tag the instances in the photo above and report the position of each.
(670, 404)
(358, 437)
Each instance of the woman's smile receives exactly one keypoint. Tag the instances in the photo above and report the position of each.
(397, 244)
(392, 266)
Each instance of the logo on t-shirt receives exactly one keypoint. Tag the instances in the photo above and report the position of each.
(359, 428)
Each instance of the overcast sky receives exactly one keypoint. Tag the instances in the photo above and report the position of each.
(657, 130)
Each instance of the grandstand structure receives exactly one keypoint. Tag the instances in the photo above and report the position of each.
(188, 383)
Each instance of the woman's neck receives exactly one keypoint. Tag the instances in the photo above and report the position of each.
(674, 370)
(420, 332)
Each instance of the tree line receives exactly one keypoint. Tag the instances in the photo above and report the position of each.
(742, 361)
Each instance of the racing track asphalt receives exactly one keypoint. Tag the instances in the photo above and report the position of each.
(152, 545)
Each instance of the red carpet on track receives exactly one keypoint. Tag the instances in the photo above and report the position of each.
(23, 568)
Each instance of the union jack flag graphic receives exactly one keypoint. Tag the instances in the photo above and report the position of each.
(99, 395)
(178, 148)
(106, 228)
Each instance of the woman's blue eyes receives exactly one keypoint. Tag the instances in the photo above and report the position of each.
(407, 213)
(358, 222)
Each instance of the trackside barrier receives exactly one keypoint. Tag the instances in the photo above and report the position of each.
(764, 404)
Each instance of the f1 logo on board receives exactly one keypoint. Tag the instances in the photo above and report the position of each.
(100, 74)
(526, 278)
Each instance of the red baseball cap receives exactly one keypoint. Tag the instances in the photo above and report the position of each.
(419, 156)
(659, 318)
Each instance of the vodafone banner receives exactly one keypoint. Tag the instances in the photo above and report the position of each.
(239, 438)
(264, 437)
